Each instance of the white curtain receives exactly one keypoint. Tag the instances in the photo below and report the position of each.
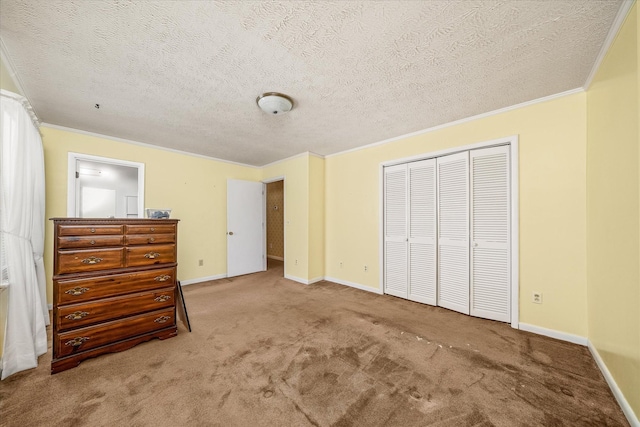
(22, 228)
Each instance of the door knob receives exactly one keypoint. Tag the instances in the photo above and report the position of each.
(231, 233)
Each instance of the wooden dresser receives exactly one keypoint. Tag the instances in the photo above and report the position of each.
(114, 286)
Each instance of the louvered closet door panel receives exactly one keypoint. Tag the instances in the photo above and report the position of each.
(395, 230)
(490, 233)
(453, 232)
(422, 232)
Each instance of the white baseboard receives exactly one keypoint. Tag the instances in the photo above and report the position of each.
(202, 279)
(576, 339)
(279, 258)
(354, 285)
(624, 404)
(296, 279)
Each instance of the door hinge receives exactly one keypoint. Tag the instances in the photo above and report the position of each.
(77, 174)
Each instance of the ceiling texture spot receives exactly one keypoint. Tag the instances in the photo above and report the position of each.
(185, 74)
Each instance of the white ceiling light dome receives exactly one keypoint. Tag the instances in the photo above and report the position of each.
(275, 103)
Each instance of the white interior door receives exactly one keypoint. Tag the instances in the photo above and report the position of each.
(245, 227)
(490, 233)
(422, 232)
(395, 230)
(453, 232)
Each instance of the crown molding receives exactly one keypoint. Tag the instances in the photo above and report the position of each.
(461, 121)
(625, 7)
(295, 156)
(143, 144)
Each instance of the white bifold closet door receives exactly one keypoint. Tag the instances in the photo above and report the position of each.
(447, 232)
(410, 231)
(422, 232)
(490, 233)
(453, 232)
(395, 231)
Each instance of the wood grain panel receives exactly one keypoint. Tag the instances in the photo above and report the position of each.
(88, 230)
(77, 290)
(89, 241)
(82, 339)
(149, 239)
(150, 229)
(150, 255)
(89, 260)
(77, 315)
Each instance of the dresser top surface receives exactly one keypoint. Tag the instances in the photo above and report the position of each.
(115, 220)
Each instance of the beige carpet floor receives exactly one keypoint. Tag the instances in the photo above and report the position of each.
(266, 351)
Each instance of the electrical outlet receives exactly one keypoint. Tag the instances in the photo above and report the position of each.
(296, 262)
(200, 262)
(366, 268)
(537, 297)
(270, 245)
(340, 264)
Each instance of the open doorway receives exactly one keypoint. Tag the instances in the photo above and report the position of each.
(275, 225)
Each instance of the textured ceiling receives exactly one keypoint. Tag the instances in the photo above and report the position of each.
(185, 75)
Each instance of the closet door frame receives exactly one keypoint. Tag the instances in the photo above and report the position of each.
(512, 142)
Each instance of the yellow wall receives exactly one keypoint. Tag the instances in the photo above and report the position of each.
(552, 205)
(303, 214)
(296, 212)
(195, 188)
(316, 217)
(613, 211)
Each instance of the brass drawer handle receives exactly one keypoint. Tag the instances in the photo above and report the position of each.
(152, 255)
(76, 342)
(162, 298)
(76, 291)
(92, 260)
(162, 319)
(152, 239)
(153, 229)
(93, 242)
(93, 230)
(162, 278)
(76, 315)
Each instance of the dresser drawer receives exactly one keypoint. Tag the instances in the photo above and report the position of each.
(150, 239)
(71, 291)
(149, 255)
(76, 315)
(78, 340)
(151, 229)
(84, 230)
(89, 241)
(89, 260)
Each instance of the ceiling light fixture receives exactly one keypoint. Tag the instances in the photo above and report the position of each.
(274, 103)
